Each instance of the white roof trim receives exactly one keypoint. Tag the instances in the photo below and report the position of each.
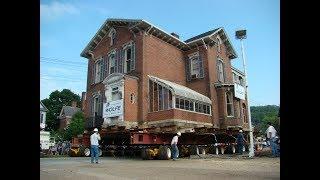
(180, 90)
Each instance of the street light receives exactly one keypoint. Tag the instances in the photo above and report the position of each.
(242, 34)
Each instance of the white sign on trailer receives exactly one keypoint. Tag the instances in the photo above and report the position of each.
(113, 108)
(239, 91)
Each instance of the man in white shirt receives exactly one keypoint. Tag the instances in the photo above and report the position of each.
(94, 140)
(175, 150)
(272, 136)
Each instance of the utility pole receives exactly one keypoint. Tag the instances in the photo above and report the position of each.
(242, 34)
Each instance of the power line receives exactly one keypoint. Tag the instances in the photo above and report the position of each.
(63, 63)
(63, 60)
(57, 79)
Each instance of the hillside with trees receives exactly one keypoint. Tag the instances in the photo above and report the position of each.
(261, 115)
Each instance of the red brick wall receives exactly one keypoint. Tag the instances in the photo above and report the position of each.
(162, 60)
(130, 109)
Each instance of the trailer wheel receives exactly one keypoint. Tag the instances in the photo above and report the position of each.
(202, 150)
(100, 152)
(87, 152)
(145, 154)
(165, 153)
(194, 150)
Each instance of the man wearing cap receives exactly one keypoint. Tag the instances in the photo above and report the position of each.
(174, 147)
(94, 140)
(240, 142)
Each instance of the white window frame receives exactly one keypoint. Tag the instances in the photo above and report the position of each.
(229, 93)
(194, 57)
(125, 49)
(220, 70)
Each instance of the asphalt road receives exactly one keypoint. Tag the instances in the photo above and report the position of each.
(80, 168)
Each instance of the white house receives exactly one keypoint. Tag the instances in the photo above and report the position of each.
(44, 135)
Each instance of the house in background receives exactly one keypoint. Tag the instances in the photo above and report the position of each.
(66, 114)
(44, 135)
(43, 111)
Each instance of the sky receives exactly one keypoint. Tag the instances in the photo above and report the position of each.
(67, 26)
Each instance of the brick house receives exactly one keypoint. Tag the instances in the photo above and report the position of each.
(142, 76)
(66, 114)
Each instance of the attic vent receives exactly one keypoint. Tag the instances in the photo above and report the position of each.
(175, 35)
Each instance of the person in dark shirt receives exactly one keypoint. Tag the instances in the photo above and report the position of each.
(240, 141)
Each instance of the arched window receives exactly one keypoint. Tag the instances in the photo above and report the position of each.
(244, 113)
(229, 103)
(112, 35)
(220, 69)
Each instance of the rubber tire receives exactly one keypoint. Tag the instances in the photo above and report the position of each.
(144, 154)
(165, 153)
(100, 152)
(202, 151)
(87, 152)
(194, 150)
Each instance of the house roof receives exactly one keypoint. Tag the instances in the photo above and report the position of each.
(237, 70)
(180, 90)
(136, 25)
(69, 111)
(201, 35)
(43, 107)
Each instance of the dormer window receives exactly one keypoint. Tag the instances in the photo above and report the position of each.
(112, 36)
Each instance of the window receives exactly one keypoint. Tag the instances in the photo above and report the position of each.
(112, 35)
(244, 113)
(160, 97)
(195, 67)
(128, 58)
(41, 118)
(229, 100)
(177, 103)
(151, 96)
(132, 98)
(98, 70)
(140, 138)
(241, 81)
(220, 70)
(112, 63)
(96, 105)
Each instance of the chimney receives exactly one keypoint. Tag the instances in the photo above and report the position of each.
(74, 104)
(175, 35)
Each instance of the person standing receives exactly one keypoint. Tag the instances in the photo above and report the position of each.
(272, 136)
(174, 147)
(240, 141)
(94, 140)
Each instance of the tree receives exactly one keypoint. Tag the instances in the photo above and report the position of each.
(261, 115)
(54, 104)
(75, 127)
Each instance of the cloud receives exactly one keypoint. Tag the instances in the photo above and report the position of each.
(56, 9)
